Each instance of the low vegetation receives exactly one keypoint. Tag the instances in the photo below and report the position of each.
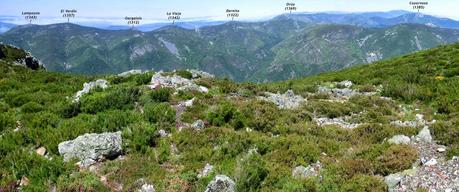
(251, 141)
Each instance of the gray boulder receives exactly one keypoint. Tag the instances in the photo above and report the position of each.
(90, 148)
(399, 139)
(221, 183)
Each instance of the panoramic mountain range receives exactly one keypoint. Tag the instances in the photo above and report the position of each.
(287, 46)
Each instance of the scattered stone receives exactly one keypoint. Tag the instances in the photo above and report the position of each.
(24, 181)
(129, 73)
(288, 100)
(102, 83)
(41, 151)
(346, 83)
(221, 183)
(206, 171)
(302, 172)
(90, 148)
(399, 139)
(147, 188)
(431, 162)
(163, 133)
(198, 125)
(441, 149)
(393, 180)
(195, 74)
(424, 135)
(339, 121)
(179, 83)
(188, 103)
(341, 93)
(404, 123)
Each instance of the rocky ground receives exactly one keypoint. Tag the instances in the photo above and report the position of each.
(432, 171)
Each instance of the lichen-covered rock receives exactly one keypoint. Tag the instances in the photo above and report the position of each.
(424, 135)
(90, 148)
(342, 93)
(221, 183)
(199, 74)
(288, 100)
(102, 83)
(302, 172)
(339, 121)
(147, 188)
(393, 180)
(206, 170)
(174, 81)
(399, 139)
(346, 83)
(199, 124)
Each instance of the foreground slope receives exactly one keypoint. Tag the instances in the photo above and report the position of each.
(325, 135)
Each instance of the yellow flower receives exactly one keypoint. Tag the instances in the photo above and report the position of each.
(439, 78)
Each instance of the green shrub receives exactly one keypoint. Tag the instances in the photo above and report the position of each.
(7, 121)
(160, 113)
(117, 98)
(139, 137)
(252, 172)
(184, 73)
(395, 159)
(161, 95)
(40, 171)
(224, 113)
(365, 183)
(261, 115)
(114, 120)
(80, 181)
(70, 109)
(143, 79)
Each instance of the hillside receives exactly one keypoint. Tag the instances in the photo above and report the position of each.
(184, 130)
(278, 49)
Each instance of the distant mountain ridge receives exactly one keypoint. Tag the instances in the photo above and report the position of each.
(282, 48)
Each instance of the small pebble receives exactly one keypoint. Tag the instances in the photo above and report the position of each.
(441, 149)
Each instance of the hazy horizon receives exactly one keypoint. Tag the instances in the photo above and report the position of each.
(113, 12)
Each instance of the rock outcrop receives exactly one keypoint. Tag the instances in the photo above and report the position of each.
(19, 57)
(302, 172)
(339, 121)
(195, 74)
(102, 83)
(91, 148)
(174, 81)
(130, 72)
(221, 183)
(288, 100)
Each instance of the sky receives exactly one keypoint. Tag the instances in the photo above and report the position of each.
(114, 11)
